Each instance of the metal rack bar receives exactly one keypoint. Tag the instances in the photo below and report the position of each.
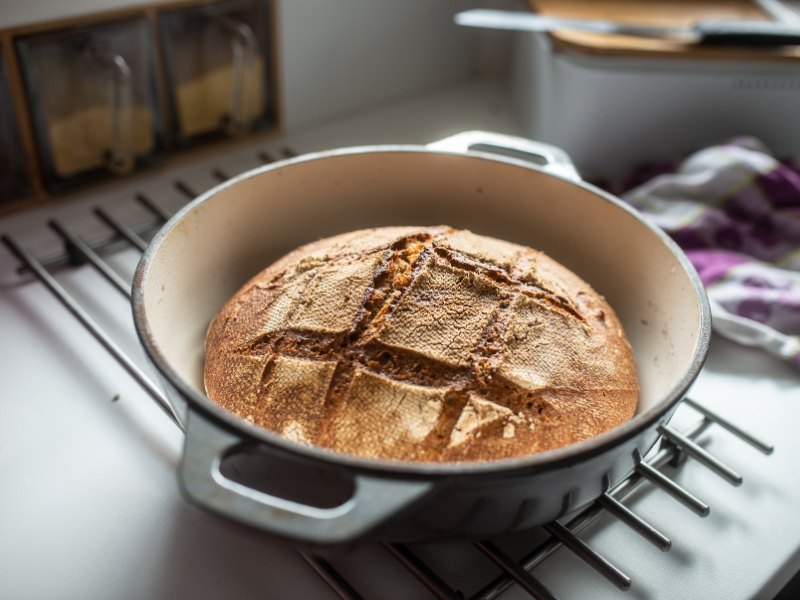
(514, 570)
(154, 208)
(122, 229)
(332, 577)
(635, 522)
(220, 175)
(701, 454)
(185, 189)
(673, 489)
(734, 429)
(77, 245)
(600, 564)
(265, 157)
(427, 576)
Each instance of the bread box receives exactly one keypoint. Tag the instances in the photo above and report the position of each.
(613, 102)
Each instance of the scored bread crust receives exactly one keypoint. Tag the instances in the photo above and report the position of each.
(421, 344)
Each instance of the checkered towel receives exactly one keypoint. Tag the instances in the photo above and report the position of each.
(735, 210)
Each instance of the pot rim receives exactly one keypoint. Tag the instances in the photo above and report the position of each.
(542, 461)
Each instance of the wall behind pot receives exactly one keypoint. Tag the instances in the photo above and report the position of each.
(336, 57)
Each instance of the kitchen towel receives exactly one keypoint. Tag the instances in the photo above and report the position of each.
(735, 210)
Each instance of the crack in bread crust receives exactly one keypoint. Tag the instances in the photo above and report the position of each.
(371, 347)
(535, 290)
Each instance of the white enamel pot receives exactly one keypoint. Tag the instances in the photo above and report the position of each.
(505, 187)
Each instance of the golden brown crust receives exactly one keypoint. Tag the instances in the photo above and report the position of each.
(424, 344)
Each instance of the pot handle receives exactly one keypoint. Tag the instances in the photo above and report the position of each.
(374, 500)
(551, 158)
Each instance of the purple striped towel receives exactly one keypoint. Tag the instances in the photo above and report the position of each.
(735, 210)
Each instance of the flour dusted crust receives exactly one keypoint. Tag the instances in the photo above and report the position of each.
(421, 344)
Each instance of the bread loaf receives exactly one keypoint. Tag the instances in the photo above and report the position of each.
(421, 344)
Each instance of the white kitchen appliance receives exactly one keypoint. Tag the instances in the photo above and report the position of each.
(615, 102)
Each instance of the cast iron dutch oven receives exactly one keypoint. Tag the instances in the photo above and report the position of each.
(479, 181)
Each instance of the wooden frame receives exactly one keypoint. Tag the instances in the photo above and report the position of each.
(20, 102)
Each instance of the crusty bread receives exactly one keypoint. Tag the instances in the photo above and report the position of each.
(421, 344)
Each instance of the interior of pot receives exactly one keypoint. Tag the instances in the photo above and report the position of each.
(227, 236)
